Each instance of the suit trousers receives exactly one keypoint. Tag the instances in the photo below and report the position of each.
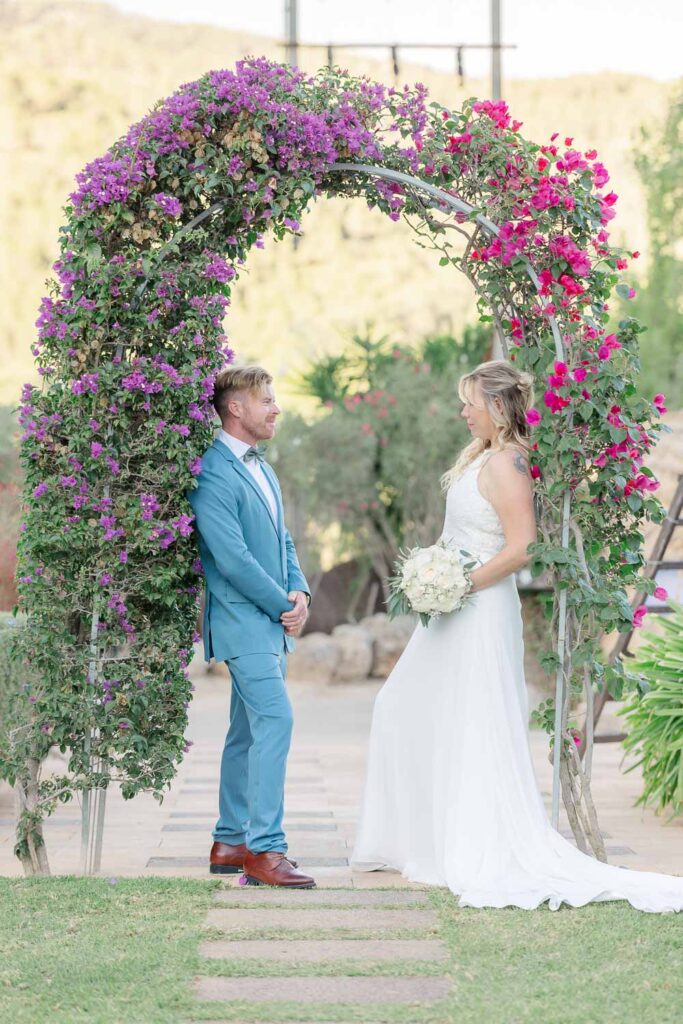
(254, 761)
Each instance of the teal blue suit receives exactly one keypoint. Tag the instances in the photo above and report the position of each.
(250, 565)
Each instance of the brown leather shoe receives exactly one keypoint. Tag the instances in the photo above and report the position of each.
(226, 860)
(273, 868)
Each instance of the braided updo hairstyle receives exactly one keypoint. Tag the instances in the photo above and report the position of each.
(514, 389)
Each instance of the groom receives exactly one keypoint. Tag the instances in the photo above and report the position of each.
(257, 601)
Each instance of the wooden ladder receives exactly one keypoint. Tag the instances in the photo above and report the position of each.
(656, 562)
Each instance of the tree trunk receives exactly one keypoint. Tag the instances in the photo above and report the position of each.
(34, 856)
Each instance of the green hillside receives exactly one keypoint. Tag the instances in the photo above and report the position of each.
(74, 75)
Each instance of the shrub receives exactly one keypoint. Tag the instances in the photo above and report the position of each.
(389, 415)
(655, 716)
(10, 485)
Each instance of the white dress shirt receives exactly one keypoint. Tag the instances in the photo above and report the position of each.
(238, 448)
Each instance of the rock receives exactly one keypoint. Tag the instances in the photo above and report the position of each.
(347, 590)
(314, 660)
(355, 646)
(390, 638)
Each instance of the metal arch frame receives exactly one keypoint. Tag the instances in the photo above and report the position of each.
(92, 844)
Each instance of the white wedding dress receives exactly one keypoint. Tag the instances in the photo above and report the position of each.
(451, 798)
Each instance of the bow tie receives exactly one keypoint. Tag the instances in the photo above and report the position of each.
(255, 453)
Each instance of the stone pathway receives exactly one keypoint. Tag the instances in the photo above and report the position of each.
(322, 949)
(323, 792)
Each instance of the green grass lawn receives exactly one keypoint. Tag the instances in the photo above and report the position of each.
(74, 950)
(83, 949)
(600, 964)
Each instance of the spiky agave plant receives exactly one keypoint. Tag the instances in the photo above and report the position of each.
(655, 717)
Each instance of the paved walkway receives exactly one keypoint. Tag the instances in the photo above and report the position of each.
(323, 792)
(365, 946)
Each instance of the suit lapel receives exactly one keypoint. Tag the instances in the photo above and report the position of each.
(272, 480)
(246, 475)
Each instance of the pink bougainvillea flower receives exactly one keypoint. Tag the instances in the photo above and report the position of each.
(555, 402)
(642, 482)
(565, 248)
(579, 374)
(659, 402)
(600, 174)
(661, 593)
(547, 280)
(638, 616)
(535, 472)
(456, 142)
(533, 417)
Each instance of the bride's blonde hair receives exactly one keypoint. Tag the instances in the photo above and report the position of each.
(500, 380)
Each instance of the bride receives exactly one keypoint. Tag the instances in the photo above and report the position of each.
(450, 796)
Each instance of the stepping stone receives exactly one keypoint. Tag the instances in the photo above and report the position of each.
(302, 951)
(209, 817)
(289, 826)
(198, 780)
(359, 918)
(337, 897)
(567, 833)
(203, 862)
(362, 991)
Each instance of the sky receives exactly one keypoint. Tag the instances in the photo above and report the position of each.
(553, 37)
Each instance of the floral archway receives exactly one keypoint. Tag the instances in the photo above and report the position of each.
(131, 337)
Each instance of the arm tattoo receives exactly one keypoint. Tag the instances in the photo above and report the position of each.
(520, 464)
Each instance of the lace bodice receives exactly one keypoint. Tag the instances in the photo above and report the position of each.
(471, 521)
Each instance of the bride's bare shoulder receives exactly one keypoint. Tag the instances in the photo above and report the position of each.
(508, 460)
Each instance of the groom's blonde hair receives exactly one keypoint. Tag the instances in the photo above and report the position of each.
(235, 379)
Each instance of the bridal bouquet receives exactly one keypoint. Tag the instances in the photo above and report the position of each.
(430, 581)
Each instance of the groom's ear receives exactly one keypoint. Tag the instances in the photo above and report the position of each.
(234, 407)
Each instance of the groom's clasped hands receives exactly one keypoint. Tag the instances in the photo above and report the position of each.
(295, 620)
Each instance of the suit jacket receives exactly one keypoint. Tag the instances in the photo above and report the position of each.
(249, 559)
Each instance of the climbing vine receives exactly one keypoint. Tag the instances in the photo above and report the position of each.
(132, 334)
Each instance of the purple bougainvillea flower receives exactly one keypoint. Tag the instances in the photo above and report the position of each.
(169, 204)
